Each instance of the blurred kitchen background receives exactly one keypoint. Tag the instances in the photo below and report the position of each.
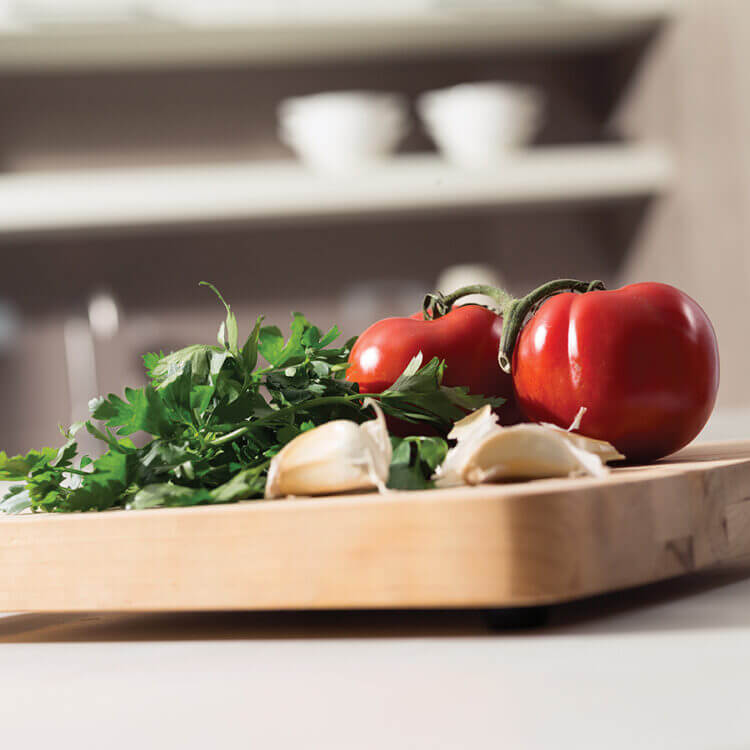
(143, 149)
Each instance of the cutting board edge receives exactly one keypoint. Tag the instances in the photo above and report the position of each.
(485, 547)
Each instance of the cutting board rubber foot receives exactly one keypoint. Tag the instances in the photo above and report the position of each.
(515, 618)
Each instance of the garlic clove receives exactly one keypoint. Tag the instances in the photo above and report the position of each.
(528, 452)
(339, 456)
(468, 433)
(488, 452)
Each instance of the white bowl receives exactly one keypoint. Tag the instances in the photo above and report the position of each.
(477, 124)
(339, 131)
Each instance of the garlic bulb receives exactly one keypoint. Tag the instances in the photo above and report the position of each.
(487, 452)
(338, 456)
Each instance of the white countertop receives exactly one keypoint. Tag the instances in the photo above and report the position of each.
(660, 667)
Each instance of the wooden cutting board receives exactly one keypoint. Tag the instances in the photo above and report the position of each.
(514, 545)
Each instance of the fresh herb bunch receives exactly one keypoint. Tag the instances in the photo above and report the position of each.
(216, 419)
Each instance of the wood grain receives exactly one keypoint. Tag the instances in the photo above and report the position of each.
(506, 545)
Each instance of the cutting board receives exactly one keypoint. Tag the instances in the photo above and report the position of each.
(515, 545)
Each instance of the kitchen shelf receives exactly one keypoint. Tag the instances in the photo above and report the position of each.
(39, 202)
(180, 42)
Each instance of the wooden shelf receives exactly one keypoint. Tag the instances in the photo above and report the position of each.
(146, 44)
(85, 200)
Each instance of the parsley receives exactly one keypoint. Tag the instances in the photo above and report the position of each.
(414, 461)
(215, 419)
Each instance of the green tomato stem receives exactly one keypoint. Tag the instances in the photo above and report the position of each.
(436, 305)
(514, 310)
(517, 310)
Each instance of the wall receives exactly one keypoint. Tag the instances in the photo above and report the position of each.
(693, 90)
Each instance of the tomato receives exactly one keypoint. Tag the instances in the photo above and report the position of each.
(643, 360)
(467, 338)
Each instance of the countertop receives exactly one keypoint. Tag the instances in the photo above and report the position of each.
(662, 666)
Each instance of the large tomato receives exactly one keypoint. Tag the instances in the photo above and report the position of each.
(467, 338)
(643, 360)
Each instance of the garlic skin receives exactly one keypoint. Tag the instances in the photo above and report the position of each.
(487, 452)
(602, 448)
(468, 433)
(338, 456)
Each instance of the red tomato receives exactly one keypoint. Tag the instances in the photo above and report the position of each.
(467, 338)
(643, 360)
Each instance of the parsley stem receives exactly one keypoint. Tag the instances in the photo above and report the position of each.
(322, 401)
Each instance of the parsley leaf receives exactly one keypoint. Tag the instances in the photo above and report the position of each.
(144, 409)
(414, 461)
(419, 395)
(213, 418)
